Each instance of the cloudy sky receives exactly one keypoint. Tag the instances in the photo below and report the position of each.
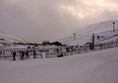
(39, 20)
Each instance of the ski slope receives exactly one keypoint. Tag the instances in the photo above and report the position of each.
(82, 40)
(84, 35)
(98, 27)
(10, 39)
(93, 67)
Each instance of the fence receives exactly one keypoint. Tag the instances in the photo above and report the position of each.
(74, 50)
(85, 49)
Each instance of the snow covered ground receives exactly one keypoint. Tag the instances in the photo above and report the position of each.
(93, 67)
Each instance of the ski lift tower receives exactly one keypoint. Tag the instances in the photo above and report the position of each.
(114, 26)
(74, 35)
(91, 46)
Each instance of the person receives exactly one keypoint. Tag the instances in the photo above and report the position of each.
(14, 56)
(34, 53)
(98, 37)
(27, 54)
(57, 50)
(0, 52)
(61, 55)
(101, 46)
(22, 55)
(41, 55)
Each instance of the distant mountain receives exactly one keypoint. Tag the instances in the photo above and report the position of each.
(103, 32)
(7, 39)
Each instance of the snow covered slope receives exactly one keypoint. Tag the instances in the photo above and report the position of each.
(98, 27)
(104, 30)
(9, 39)
(94, 67)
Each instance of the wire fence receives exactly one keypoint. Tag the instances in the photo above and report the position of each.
(84, 49)
(63, 51)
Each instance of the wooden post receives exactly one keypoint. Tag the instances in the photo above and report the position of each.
(101, 46)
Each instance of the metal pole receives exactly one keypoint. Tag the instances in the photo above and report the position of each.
(74, 35)
(93, 40)
(113, 26)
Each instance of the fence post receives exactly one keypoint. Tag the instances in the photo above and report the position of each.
(101, 46)
(85, 49)
(46, 54)
(116, 44)
(78, 51)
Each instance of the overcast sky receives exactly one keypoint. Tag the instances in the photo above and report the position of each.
(39, 20)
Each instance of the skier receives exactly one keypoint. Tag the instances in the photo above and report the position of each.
(98, 37)
(34, 53)
(61, 55)
(14, 56)
(22, 55)
(41, 55)
(0, 52)
(27, 54)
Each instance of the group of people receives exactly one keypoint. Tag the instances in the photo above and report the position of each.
(2, 52)
(23, 54)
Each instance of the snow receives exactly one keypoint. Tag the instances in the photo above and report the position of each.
(110, 40)
(82, 40)
(12, 48)
(98, 27)
(9, 38)
(107, 35)
(84, 35)
(93, 67)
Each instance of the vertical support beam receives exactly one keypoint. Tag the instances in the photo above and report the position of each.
(93, 40)
(114, 26)
(74, 35)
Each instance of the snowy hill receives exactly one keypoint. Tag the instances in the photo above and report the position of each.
(98, 27)
(10, 39)
(104, 30)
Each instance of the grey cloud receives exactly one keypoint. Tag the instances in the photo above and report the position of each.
(109, 15)
(46, 22)
(50, 26)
